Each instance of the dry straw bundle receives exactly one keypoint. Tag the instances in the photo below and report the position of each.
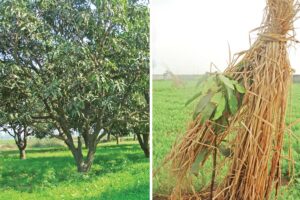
(252, 120)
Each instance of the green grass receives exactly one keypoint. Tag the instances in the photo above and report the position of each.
(119, 172)
(170, 118)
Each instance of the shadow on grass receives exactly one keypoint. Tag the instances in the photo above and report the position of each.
(133, 192)
(58, 166)
(118, 147)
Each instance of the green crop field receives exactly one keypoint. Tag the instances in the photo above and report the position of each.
(170, 118)
(119, 172)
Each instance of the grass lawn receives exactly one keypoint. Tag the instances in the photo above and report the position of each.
(170, 118)
(119, 172)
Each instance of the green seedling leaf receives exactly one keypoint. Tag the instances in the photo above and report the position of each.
(207, 112)
(214, 87)
(232, 101)
(193, 98)
(227, 82)
(202, 104)
(219, 100)
(206, 86)
(196, 165)
(239, 87)
(210, 85)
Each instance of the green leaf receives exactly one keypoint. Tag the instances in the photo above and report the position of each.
(227, 82)
(207, 112)
(193, 98)
(201, 104)
(216, 98)
(239, 87)
(214, 86)
(220, 101)
(196, 165)
(232, 101)
(210, 84)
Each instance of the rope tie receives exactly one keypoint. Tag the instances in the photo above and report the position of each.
(273, 37)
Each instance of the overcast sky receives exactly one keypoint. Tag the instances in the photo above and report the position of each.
(187, 35)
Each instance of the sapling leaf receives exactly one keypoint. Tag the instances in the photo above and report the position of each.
(214, 87)
(227, 82)
(209, 85)
(239, 87)
(193, 98)
(219, 100)
(207, 112)
(201, 104)
(232, 101)
(216, 98)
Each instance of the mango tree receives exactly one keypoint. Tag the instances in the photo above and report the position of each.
(15, 108)
(139, 121)
(77, 61)
(19, 132)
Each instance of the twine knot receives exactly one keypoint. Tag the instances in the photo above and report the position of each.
(275, 37)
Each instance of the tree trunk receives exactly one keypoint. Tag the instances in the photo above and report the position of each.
(90, 158)
(134, 137)
(146, 152)
(22, 154)
(86, 140)
(83, 166)
(118, 140)
(147, 96)
(144, 143)
(108, 137)
(79, 161)
(22, 144)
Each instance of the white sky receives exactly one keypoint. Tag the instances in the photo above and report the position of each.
(187, 35)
